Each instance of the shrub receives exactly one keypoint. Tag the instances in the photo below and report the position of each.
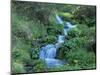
(35, 53)
(83, 15)
(18, 68)
(50, 39)
(27, 30)
(54, 29)
(75, 43)
(81, 57)
(21, 51)
(74, 33)
(39, 66)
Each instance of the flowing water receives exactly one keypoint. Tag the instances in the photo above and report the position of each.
(48, 52)
(59, 20)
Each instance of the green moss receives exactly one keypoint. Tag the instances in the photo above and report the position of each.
(66, 15)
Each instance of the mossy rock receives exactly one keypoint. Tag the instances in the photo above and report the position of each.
(68, 15)
(49, 39)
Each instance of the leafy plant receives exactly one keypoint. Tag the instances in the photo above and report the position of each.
(18, 68)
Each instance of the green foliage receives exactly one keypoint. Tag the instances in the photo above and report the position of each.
(40, 66)
(54, 29)
(35, 53)
(50, 39)
(86, 15)
(28, 8)
(27, 29)
(74, 33)
(20, 52)
(18, 68)
(81, 57)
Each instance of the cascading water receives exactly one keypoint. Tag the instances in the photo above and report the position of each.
(61, 39)
(59, 20)
(67, 27)
(48, 52)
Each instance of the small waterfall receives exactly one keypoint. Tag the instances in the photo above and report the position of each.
(59, 20)
(61, 39)
(67, 27)
(48, 52)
